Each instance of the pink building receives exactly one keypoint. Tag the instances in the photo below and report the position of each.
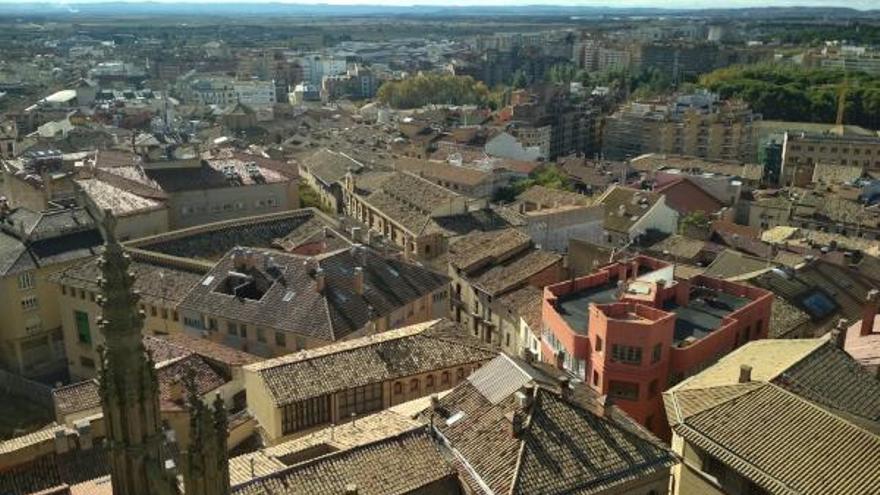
(632, 329)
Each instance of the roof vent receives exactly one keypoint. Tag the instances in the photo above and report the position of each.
(745, 373)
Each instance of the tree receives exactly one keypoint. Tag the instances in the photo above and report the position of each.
(519, 80)
(426, 89)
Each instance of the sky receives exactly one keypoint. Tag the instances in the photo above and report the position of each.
(862, 4)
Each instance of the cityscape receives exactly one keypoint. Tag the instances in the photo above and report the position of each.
(415, 248)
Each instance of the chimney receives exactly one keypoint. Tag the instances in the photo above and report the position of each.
(84, 432)
(351, 489)
(238, 259)
(358, 283)
(177, 390)
(320, 280)
(838, 334)
(745, 373)
(517, 419)
(564, 386)
(869, 312)
(435, 402)
(607, 406)
(61, 443)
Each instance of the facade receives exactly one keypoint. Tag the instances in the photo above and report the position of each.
(484, 266)
(777, 397)
(226, 92)
(801, 152)
(552, 217)
(696, 125)
(294, 394)
(631, 213)
(162, 282)
(404, 208)
(33, 247)
(8, 139)
(271, 303)
(631, 329)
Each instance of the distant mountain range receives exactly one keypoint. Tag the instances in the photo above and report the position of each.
(88, 9)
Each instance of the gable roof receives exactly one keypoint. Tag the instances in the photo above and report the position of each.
(565, 447)
(331, 166)
(625, 206)
(684, 196)
(805, 396)
(376, 358)
(410, 200)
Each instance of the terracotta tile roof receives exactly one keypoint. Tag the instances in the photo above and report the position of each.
(732, 264)
(210, 350)
(515, 272)
(526, 303)
(680, 247)
(442, 171)
(685, 197)
(864, 348)
(207, 379)
(727, 227)
(805, 396)
(550, 198)
(293, 303)
(410, 200)
(407, 462)
(76, 397)
(654, 162)
(365, 430)
(565, 447)
(377, 358)
(331, 166)
(54, 471)
(625, 206)
(484, 248)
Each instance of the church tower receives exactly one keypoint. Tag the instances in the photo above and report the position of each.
(128, 385)
(205, 463)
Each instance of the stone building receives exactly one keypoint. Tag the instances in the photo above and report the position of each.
(294, 394)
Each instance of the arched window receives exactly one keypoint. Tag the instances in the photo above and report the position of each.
(414, 385)
(445, 379)
(429, 381)
(398, 388)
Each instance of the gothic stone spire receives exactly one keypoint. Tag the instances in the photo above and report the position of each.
(129, 388)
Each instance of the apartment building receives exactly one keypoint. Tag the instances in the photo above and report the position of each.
(33, 247)
(226, 92)
(697, 125)
(483, 267)
(631, 329)
(294, 394)
(802, 152)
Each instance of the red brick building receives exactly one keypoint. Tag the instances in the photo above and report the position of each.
(632, 329)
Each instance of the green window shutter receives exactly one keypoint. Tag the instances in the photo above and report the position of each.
(82, 327)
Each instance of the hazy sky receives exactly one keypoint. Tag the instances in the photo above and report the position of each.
(861, 4)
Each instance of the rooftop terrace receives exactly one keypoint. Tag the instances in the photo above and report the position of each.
(704, 312)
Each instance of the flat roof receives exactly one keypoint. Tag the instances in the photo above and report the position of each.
(574, 307)
(703, 313)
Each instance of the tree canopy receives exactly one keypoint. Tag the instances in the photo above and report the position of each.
(785, 92)
(426, 89)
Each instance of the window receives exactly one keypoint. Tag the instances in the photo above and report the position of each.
(444, 378)
(459, 374)
(657, 353)
(507, 340)
(598, 344)
(305, 414)
(212, 324)
(623, 390)
(29, 303)
(26, 281)
(261, 335)
(652, 388)
(87, 362)
(92, 297)
(153, 311)
(232, 329)
(429, 381)
(280, 339)
(414, 385)
(595, 378)
(626, 354)
(63, 290)
(174, 316)
(356, 401)
(83, 332)
(398, 388)
(758, 328)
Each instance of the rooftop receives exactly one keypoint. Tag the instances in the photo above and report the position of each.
(282, 291)
(376, 358)
(625, 206)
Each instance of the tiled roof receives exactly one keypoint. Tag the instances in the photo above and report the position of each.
(158, 282)
(365, 430)
(653, 162)
(564, 447)
(442, 171)
(481, 248)
(684, 196)
(410, 200)
(119, 201)
(625, 206)
(331, 166)
(55, 470)
(756, 432)
(391, 466)
(550, 198)
(515, 272)
(206, 378)
(526, 303)
(30, 240)
(76, 397)
(291, 301)
(805, 396)
(731, 264)
(377, 358)
(210, 350)
(34, 438)
(679, 246)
